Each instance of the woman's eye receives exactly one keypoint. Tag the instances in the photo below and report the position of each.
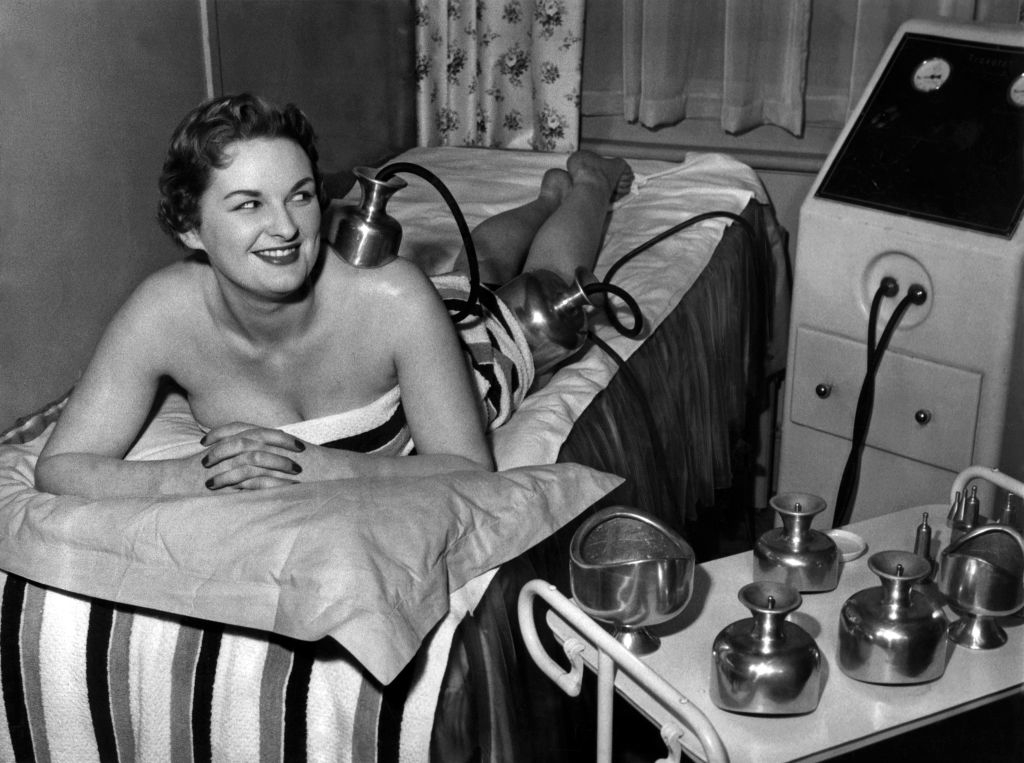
(303, 197)
(251, 204)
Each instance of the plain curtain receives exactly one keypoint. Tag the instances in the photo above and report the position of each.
(763, 47)
(756, 62)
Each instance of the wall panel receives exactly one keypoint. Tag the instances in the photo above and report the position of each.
(90, 91)
(347, 63)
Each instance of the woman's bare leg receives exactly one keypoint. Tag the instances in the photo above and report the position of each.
(560, 230)
(571, 235)
(503, 241)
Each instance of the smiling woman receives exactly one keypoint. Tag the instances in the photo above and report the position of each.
(261, 328)
(295, 365)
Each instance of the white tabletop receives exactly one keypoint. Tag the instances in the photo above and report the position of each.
(850, 713)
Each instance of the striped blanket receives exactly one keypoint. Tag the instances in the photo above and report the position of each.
(84, 680)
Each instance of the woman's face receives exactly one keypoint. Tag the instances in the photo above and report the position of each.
(260, 220)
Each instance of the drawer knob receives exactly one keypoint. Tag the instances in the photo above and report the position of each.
(923, 416)
(823, 390)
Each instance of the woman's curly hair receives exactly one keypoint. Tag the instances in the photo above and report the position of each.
(200, 143)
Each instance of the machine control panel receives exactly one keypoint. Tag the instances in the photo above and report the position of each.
(941, 137)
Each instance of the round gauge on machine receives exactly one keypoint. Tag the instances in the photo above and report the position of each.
(1016, 91)
(931, 74)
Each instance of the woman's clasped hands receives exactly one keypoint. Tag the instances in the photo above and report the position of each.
(241, 456)
(244, 456)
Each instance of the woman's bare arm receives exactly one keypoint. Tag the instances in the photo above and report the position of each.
(109, 406)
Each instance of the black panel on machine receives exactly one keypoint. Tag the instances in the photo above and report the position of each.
(941, 138)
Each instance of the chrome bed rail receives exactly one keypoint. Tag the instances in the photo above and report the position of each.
(611, 656)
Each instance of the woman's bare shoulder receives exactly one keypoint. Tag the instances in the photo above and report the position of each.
(170, 286)
(398, 281)
(161, 301)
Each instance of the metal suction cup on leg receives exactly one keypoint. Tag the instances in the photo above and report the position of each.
(630, 571)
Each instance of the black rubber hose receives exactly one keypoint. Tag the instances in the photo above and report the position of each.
(887, 288)
(469, 306)
(638, 323)
(618, 291)
(747, 227)
(865, 402)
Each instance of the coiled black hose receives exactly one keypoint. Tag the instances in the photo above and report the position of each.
(609, 288)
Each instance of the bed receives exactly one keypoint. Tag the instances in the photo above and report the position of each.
(401, 643)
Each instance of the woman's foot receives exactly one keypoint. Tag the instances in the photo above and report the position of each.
(613, 171)
(554, 186)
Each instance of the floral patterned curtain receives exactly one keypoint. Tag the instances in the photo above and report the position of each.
(499, 73)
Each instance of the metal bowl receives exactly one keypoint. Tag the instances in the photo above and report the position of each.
(982, 576)
(631, 571)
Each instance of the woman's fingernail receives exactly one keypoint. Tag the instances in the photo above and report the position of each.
(296, 469)
(203, 441)
(299, 446)
(206, 461)
(209, 484)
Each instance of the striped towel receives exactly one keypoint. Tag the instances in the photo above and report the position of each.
(378, 428)
(85, 681)
(496, 347)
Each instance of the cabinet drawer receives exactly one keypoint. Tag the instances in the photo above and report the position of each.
(904, 386)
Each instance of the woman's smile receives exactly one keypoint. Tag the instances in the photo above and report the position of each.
(279, 256)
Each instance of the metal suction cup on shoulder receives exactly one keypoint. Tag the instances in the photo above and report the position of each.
(367, 236)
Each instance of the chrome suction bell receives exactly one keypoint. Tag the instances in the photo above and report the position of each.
(764, 664)
(367, 236)
(552, 314)
(796, 554)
